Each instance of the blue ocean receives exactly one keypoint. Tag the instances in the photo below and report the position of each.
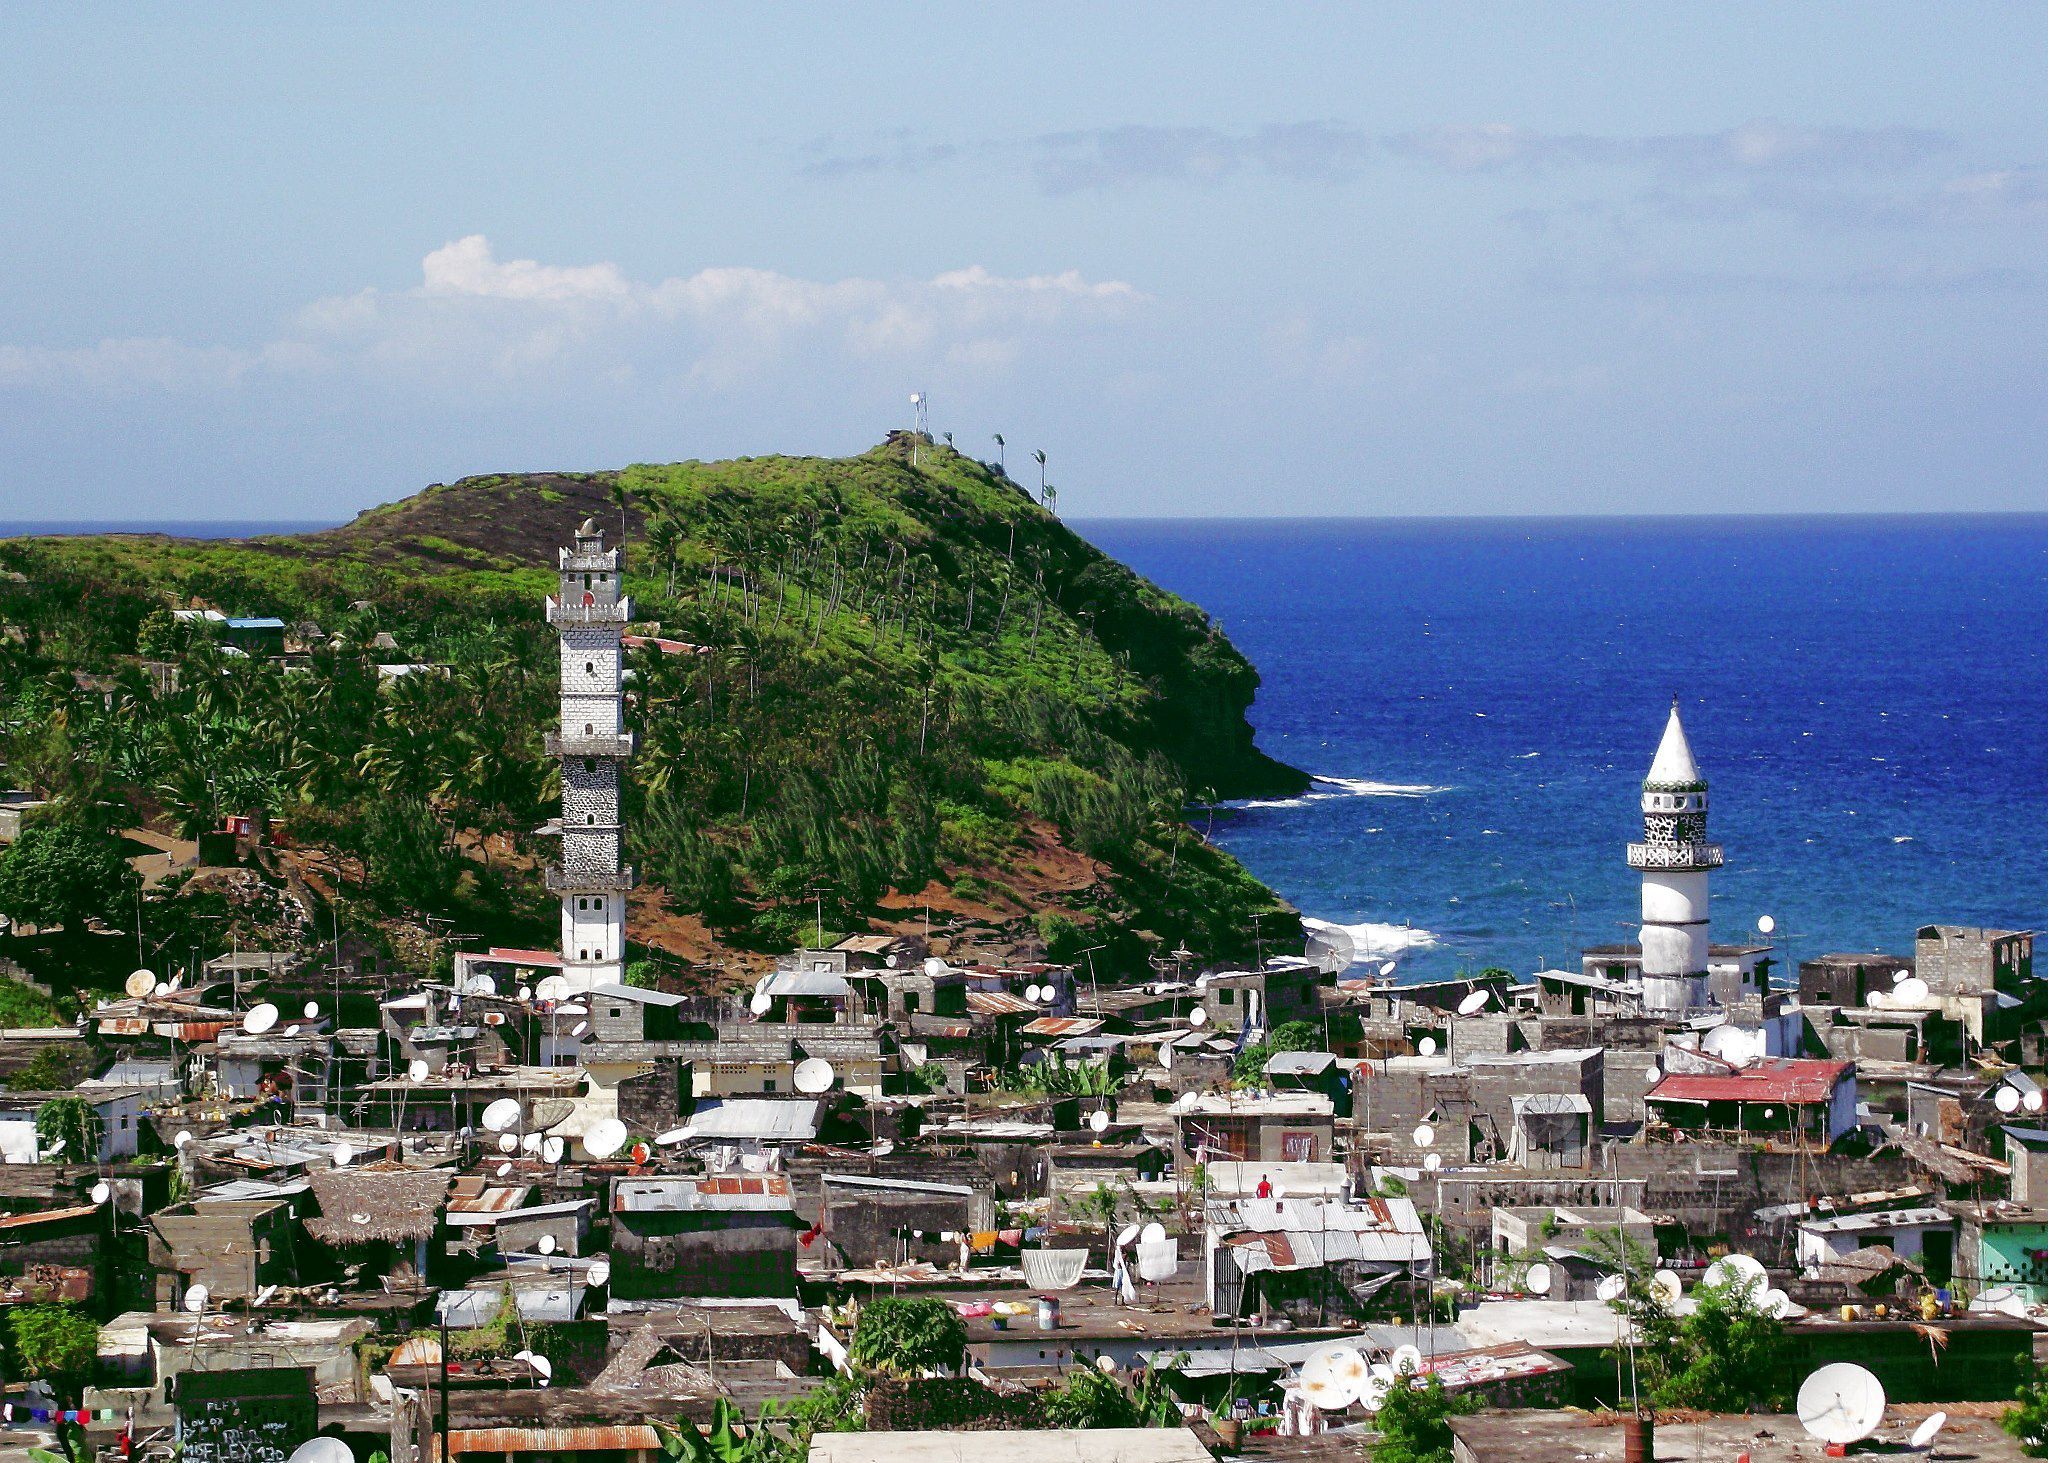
(1480, 700)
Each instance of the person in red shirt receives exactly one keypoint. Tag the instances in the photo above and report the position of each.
(1265, 1189)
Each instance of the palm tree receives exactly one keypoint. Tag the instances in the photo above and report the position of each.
(1041, 475)
(1001, 448)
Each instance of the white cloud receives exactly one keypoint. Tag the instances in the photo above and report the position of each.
(475, 319)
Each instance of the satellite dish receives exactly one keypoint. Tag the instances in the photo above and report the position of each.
(1325, 1382)
(101, 1191)
(2006, 1098)
(1912, 990)
(1031, 994)
(552, 1149)
(1373, 1395)
(508, 1142)
(672, 1137)
(605, 1138)
(417, 1069)
(545, 1244)
(1765, 924)
(540, 1364)
(552, 988)
(1424, 1135)
(504, 1170)
(1666, 1288)
(1128, 1235)
(1406, 1358)
(292, 1030)
(344, 1155)
(1775, 1303)
(1537, 1281)
(183, 1138)
(526, 993)
(1930, 1427)
(1842, 1403)
(761, 1004)
(934, 966)
(502, 1114)
(1432, 1161)
(312, 1010)
(263, 1296)
(1106, 1364)
(1652, 1075)
(2033, 1101)
(322, 1450)
(1611, 1287)
(532, 1142)
(1152, 1233)
(382, 1389)
(580, 1030)
(1198, 1017)
(600, 1272)
(1736, 1269)
(1386, 967)
(195, 1299)
(1099, 1119)
(814, 1075)
(56, 1146)
(260, 1019)
(1475, 1001)
(140, 984)
(883, 1148)
(482, 985)
(1426, 1046)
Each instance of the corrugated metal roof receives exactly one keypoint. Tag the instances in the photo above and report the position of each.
(998, 1003)
(1063, 1026)
(821, 984)
(1780, 1079)
(738, 1192)
(607, 1438)
(495, 1199)
(764, 1119)
(46, 1216)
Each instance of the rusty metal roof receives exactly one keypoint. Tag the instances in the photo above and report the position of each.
(998, 1003)
(46, 1216)
(605, 1438)
(1063, 1026)
(1790, 1080)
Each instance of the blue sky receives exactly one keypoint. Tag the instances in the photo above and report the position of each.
(289, 261)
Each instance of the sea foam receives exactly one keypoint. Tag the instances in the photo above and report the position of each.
(1325, 789)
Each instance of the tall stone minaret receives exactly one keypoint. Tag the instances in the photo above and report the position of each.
(593, 745)
(1674, 857)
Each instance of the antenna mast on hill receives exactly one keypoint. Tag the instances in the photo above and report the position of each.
(921, 428)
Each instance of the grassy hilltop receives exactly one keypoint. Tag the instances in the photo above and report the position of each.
(906, 687)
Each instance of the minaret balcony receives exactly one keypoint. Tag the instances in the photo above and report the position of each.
(580, 744)
(561, 881)
(617, 613)
(1681, 856)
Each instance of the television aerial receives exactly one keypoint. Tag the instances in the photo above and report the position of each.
(502, 1114)
(1537, 1280)
(1474, 1002)
(259, 1019)
(140, 984)
(1841, 1403)
(814, 1075)
(606, 1137)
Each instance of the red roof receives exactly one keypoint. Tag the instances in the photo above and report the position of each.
(1777, 1079)
(500, 954)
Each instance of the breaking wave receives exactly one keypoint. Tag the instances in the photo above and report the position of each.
(1324, 789)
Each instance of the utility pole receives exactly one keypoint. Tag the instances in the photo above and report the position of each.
(446, 1441)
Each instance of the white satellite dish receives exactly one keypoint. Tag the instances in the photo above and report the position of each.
(1424, 1135)
(1373, 1395)
(814, 1075)
(606, 1137)
(1925, 1434)
(526, 993)
(672, 1137)
(1099, 1120)
(292, 1030)
(934, 966)
(504, 1170)
(883, 1148)
(140, 984)
(182, 1139)
(322, 1450)
(101, 1191)
(1667, 1288)
(552, 1149)
(1128, 1235)
(1052, 1269)
(1912, 990)
(2033, 1100)
(532, 1142)
(312, 1010)
(1386, 967)
(1426, 1046)
(417, 1069)
(1537, 1281)
(580, 1030)
(1765, 924)
(344, 1155)
(56, 1146)
(2006, 1098)
(1474, 1002)
(1432, 1161)
(1198, 1017)
(1652, 1075)
(545, 1244)
(482, 985)
(260, 1019)
(761, 1004)
(1611, 1287)
(1729, 1043)
(1038, 993)
(1775, 1303)
(600, 1272)
(1324, 1382)
(508, 1142)
(502, 1114)
(1106, 1364)
(540, 1364)
(263, 1296)
(195, 1299)
(1406, 1358)
(1841, 1403)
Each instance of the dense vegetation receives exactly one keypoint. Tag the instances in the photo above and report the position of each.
(903, 683)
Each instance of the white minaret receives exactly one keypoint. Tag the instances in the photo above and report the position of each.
(593, 745)
(1674, 857)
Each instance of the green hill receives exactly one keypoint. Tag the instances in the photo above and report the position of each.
(905, 687)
